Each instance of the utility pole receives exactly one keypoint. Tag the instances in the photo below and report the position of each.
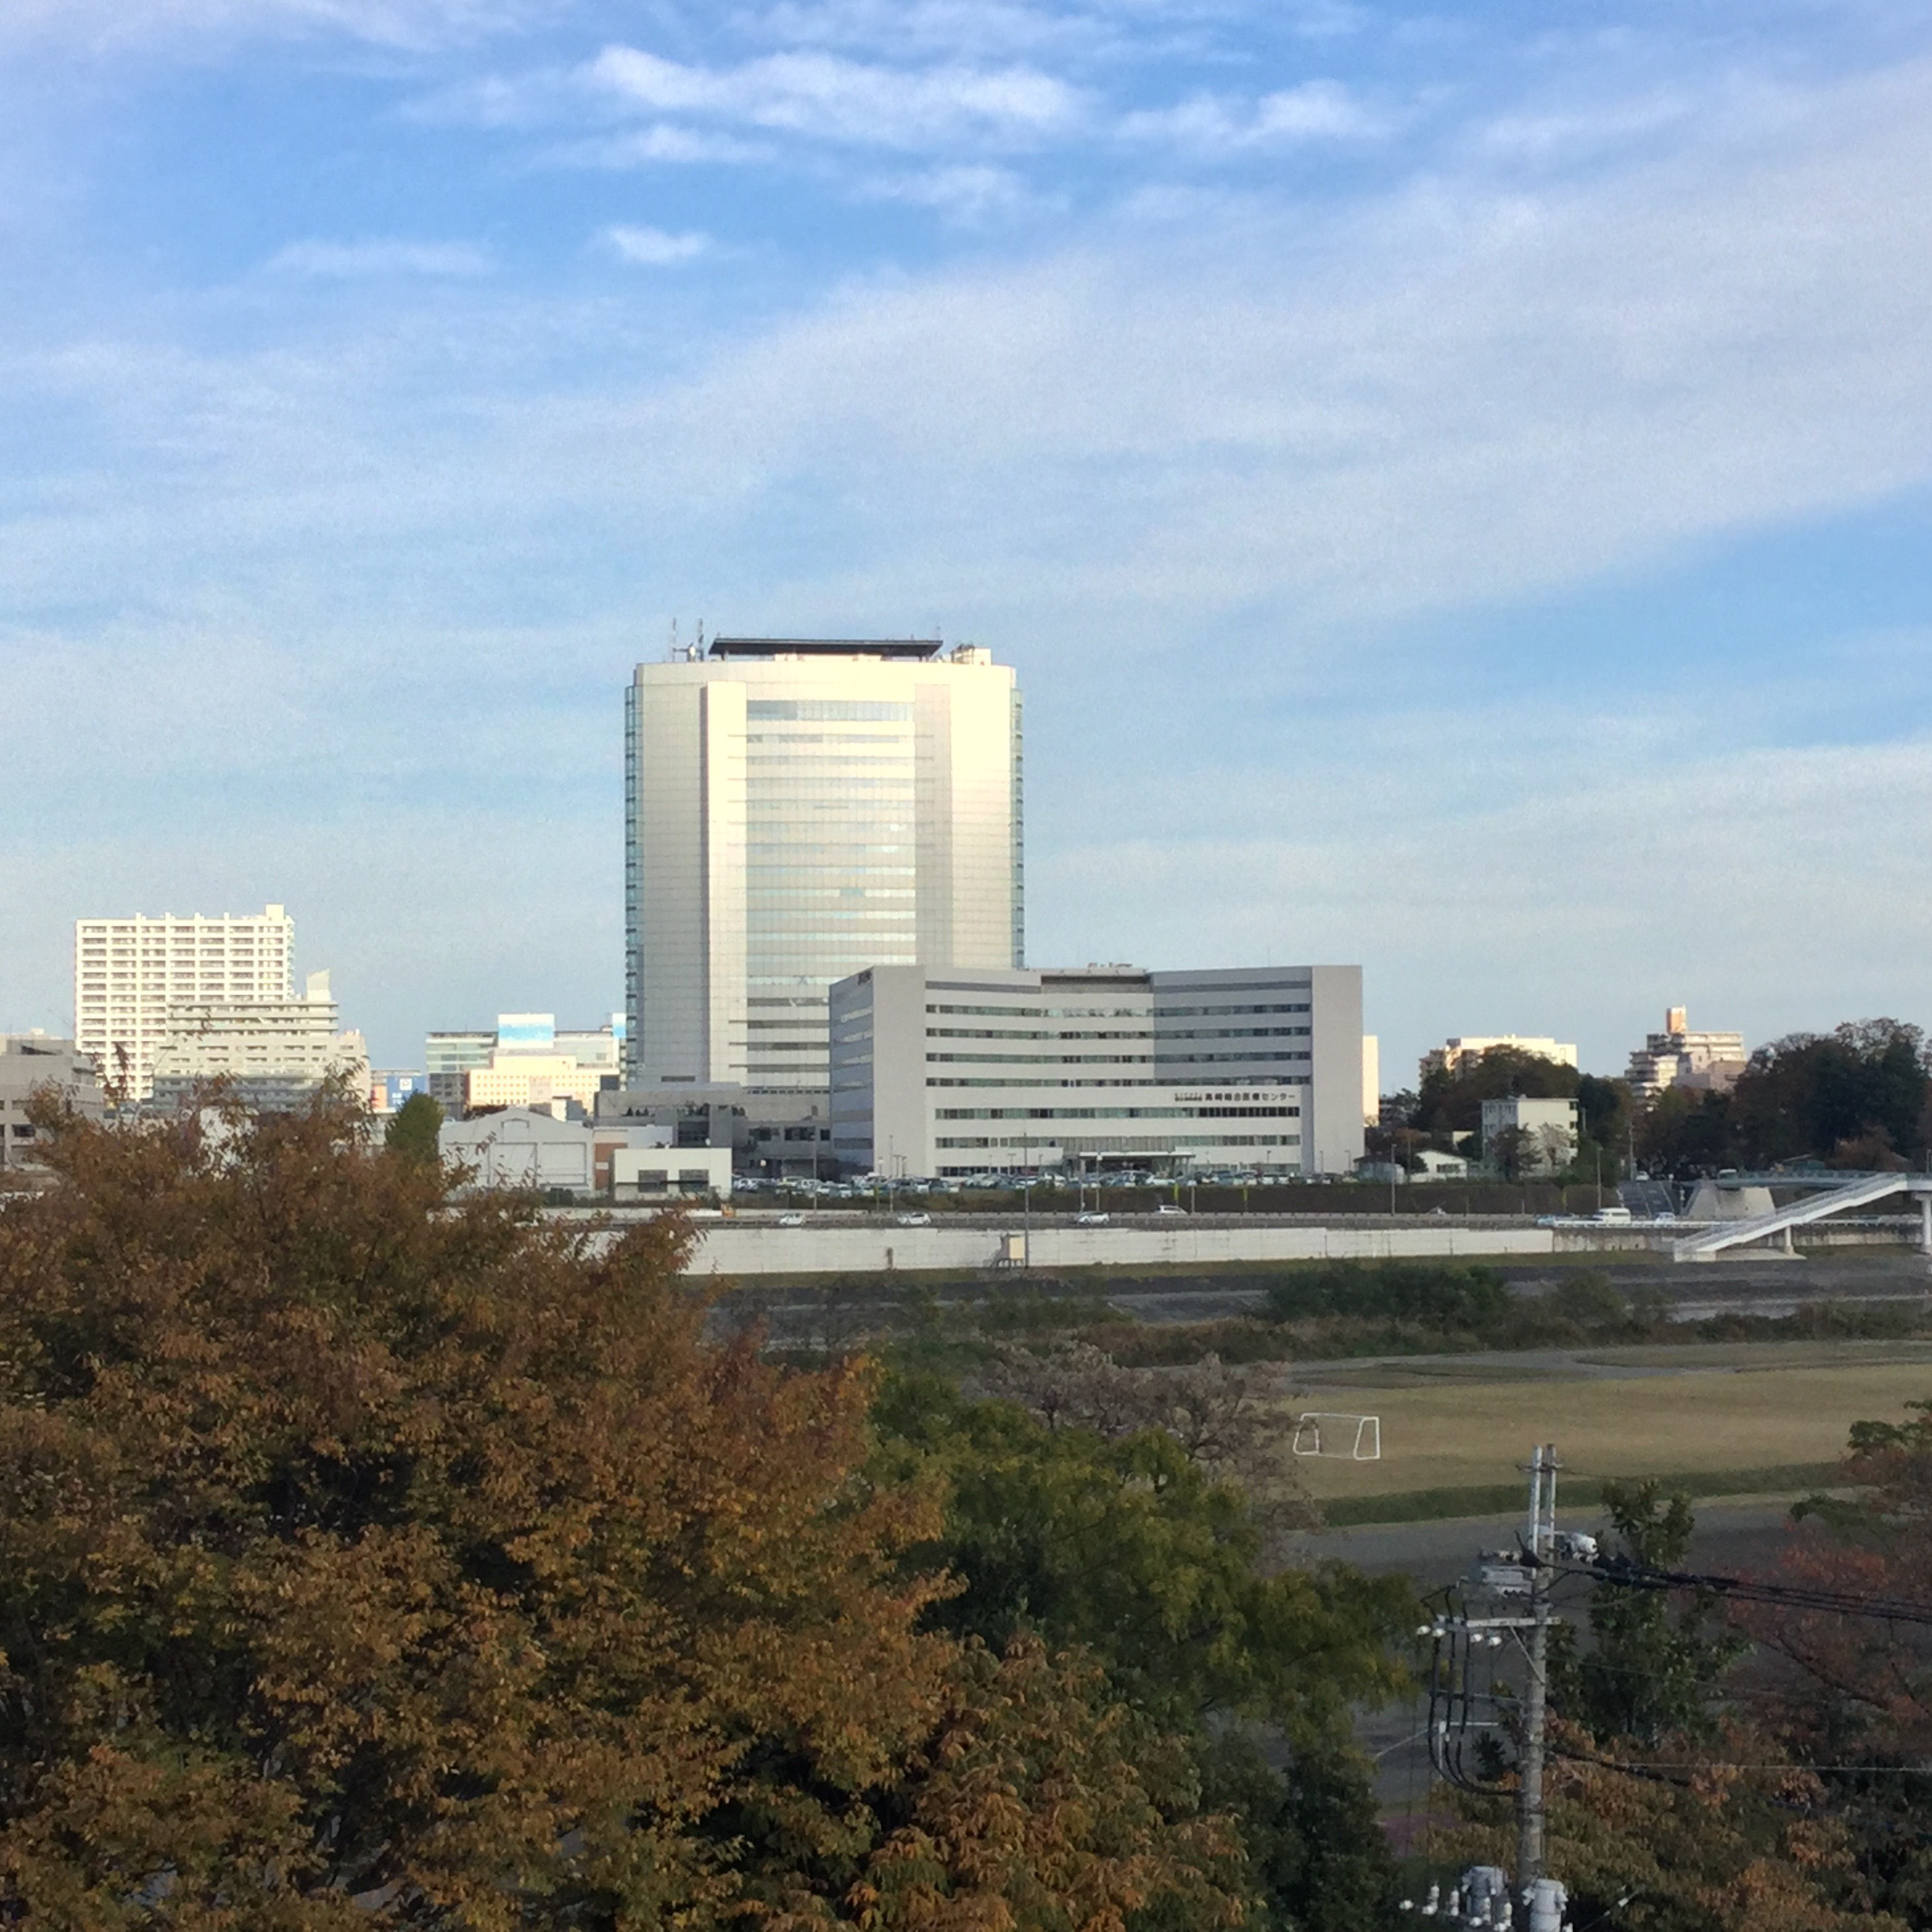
(1541, 1542)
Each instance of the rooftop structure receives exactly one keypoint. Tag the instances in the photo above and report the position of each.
(918, 649)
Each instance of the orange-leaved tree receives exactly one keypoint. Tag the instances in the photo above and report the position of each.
(369, 1556)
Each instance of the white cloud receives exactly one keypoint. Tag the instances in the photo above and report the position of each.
(972, 195)
(662, 142)
(1107, 460)
(407, 24)
(1216, 126)
(358, 260)
(828, 97)
(654, 248)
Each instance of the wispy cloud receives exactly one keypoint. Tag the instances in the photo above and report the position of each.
(972, 195)
(1218, 125)
(830, 98)
(414, 25)
(663, 143)
(655, 247)
(348, 261)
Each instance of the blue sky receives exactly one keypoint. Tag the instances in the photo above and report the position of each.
(1457, 483)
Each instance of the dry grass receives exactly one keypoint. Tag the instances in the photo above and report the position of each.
(1459, 1433)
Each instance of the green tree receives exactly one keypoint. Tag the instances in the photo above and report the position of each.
(1130, 1549)
(1451, 1102)
(1812, 1095)
(413, 1129)
(1653, 1667)
(371, 1558)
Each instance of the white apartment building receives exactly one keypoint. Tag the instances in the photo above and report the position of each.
(1702, 1062)
(946, 1072)
(129, 972)
(797, 810)
(1451, 1054)
(274, 1052)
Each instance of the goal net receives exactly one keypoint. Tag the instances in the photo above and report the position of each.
(1356, 1437)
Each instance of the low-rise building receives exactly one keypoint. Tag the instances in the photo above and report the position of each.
(945, 1071)
(1534, 1136)
(1699, 1062)
(273, 1054)
(534, 1148)
(29, 1062)
(638, 1173)
(1449, 1057)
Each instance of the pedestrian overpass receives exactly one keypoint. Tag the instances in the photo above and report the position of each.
(1835, 1196)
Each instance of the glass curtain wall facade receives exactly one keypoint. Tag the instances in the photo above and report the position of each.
(796, 811)
(831, 868)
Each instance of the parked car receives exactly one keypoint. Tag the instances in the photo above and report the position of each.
(1090, 1217)
(915, 1220)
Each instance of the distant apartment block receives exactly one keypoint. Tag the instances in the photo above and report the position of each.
(525, 1060)
(1701, 1062)
(948, 1071)
(29, 1062)
(273, 1053)
(797, 810)
(128, 973)
(1448, 1056)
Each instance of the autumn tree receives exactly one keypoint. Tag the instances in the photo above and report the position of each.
(373, 1558)
(1858, 1705)
(1720, 1835)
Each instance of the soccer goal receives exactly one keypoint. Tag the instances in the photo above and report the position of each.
(1356, 1437)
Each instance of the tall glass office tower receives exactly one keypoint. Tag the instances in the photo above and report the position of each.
(797, 810)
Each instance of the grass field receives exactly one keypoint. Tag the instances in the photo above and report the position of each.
(1709, 1410)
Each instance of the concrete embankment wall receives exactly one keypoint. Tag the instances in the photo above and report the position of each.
(744, 1248)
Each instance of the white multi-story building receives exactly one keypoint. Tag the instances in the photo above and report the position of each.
(1702, 1063)
(947, 1072)
(29, 1062)
(1542, 1135)
(273, 1052)
(129, 972)
(795, 811)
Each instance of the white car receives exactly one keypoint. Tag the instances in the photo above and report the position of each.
(793, 1220)
(1170, 1209)
(1090, 1217)
(915, 1220)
